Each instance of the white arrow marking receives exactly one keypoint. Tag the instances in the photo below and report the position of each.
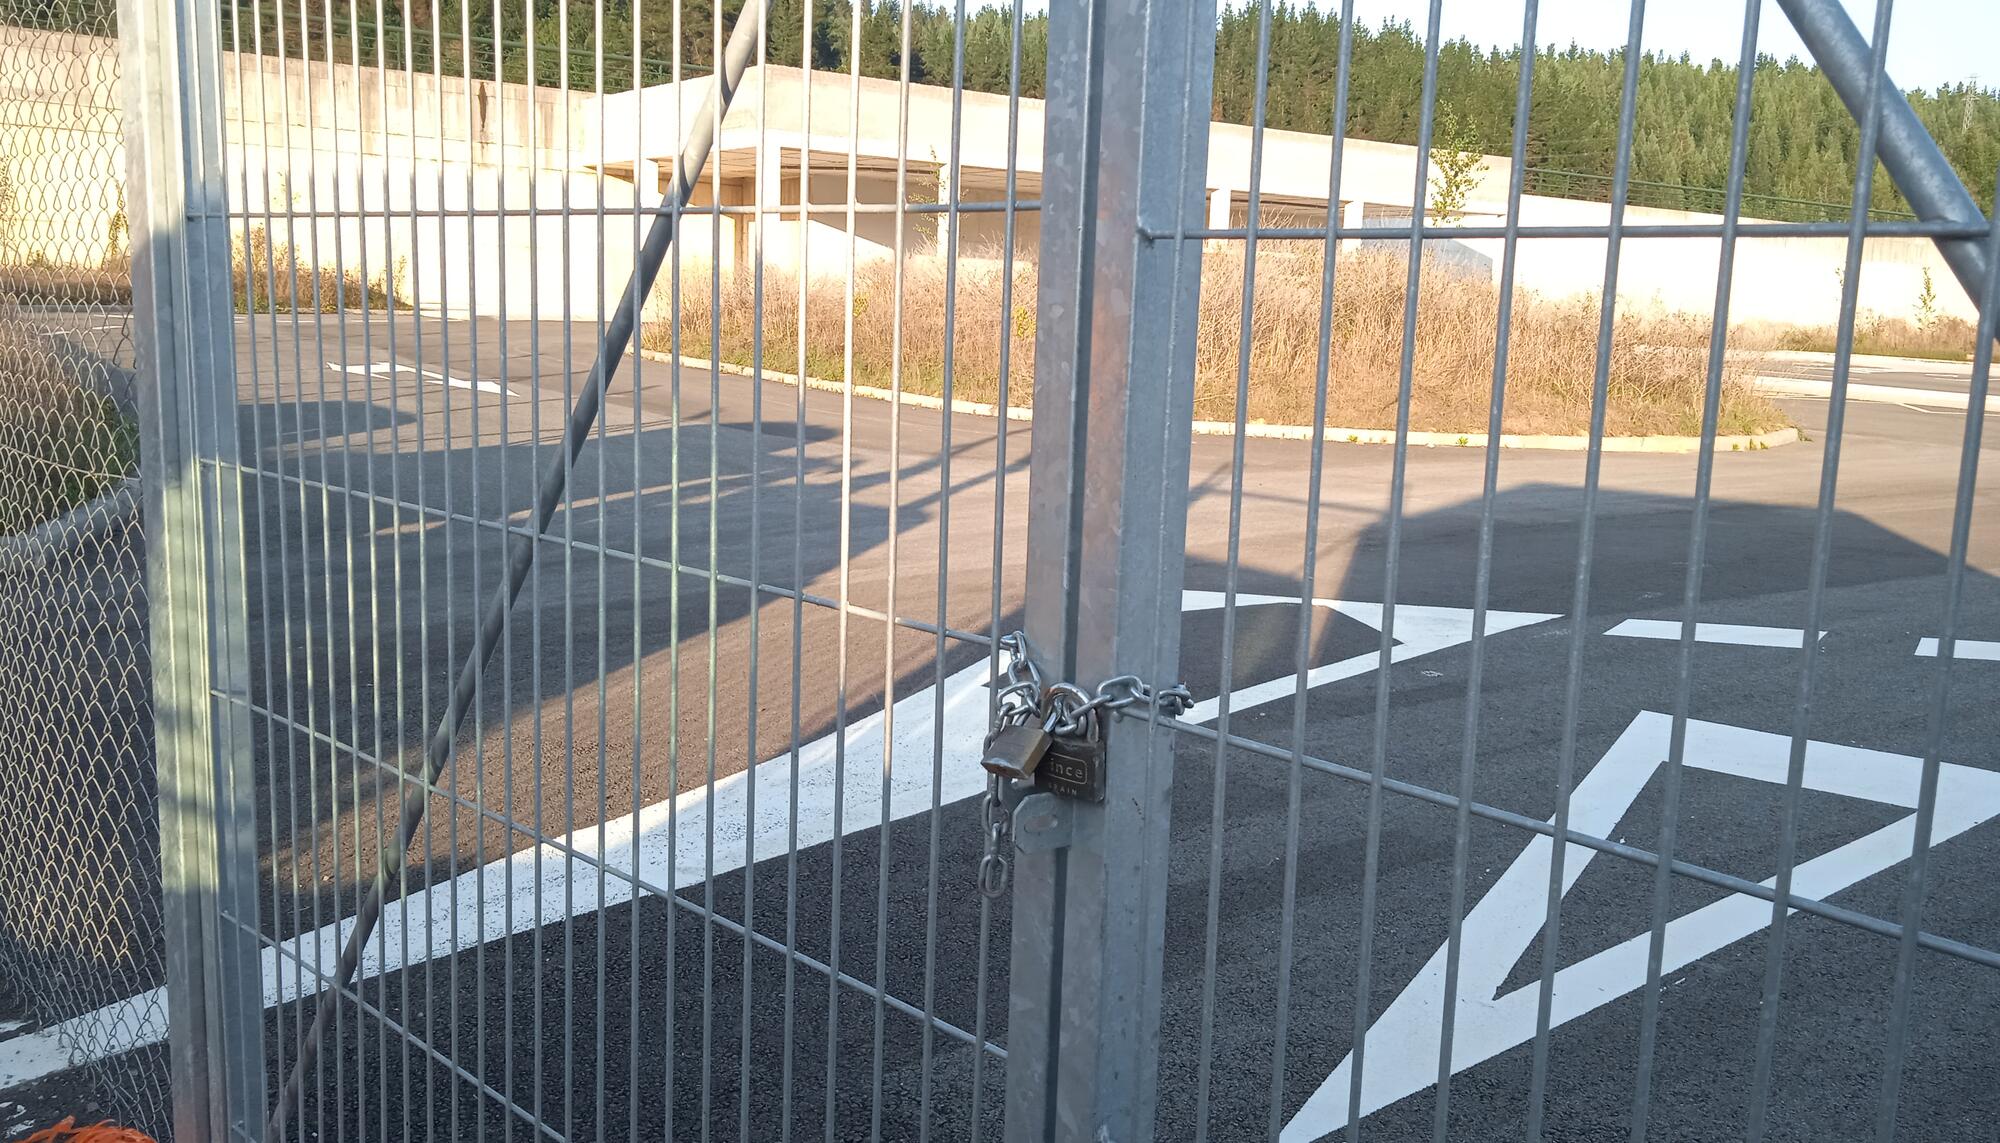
(1404, 1042)
(289, 973)
(390, 368)
(1420, 630)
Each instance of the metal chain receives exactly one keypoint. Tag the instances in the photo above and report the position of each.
(1020, 699)
(996, 868)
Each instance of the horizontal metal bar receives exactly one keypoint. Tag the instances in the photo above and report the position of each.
(405, 779)
(567, 852)
(1702, 873)
(974, 637)
(339, 210)
(326, 982)
(1401, 234)
(905, 1007)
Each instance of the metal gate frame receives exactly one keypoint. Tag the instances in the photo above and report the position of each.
(1127, 111)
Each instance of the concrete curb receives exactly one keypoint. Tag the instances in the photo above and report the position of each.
(93, 520)
(1653, 444)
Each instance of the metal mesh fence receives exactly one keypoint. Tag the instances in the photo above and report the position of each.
(594, 680)
(80, 924)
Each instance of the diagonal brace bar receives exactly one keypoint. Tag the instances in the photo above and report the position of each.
(1912, 158)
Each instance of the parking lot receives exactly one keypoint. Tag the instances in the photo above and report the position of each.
(677, 706)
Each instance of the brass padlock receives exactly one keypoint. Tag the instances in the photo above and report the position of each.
(1014, 750)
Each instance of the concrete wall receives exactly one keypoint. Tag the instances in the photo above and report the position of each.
(339, 152)
(62, 157)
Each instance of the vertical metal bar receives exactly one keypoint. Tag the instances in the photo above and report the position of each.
(761, 168)
(803, 237)
(375, 674)
(530, 32)
(1621, 181)
(844, 575)
(1379, 758)
(1649, 1014)
(713, 587)
(1911, 911)
(1309, 567)
(266, 653)
(404, 788)
(899, 252)
(185, 338)
(1483, 575)
(645, 192)
(928, 1031)
(1822, 557)
(600, 1015)
(1218, 824)
(1004, 397)
(477, 744)
(1114, 392)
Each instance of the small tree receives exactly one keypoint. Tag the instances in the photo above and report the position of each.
(1927, 313)
(1454, 164)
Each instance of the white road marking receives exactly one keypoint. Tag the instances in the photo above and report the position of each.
(382, 368)
(1420, 630)
(1962, 649)
(1859, 391)
(476, 904)
(1404, 1041)
(1735, 633)
(115, 1028)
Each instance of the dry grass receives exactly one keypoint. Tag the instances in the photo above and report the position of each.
(1658, 362)
(271, 277)
(1940, 339)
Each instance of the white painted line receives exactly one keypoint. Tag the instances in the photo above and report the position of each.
(1404, 1041)
(1734, 633)
(9, 1027)
(120, 1027)
(500, 899)
(390, 368)
(1857, 391)
(476, 904)
(1420, 630)
(1962, 649)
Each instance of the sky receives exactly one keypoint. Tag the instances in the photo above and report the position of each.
(1930, 41)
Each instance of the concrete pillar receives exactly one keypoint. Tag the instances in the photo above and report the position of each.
(1218, 207)
(646, 181)
(1352, 213)
(770, 195)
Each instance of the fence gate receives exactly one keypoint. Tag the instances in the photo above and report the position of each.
(599, 566)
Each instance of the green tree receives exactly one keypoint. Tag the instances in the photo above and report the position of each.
(1454, 165)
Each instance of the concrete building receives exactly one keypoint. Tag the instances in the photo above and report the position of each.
(477, 196)
(793, 121)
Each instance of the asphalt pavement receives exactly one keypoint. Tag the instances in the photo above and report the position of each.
(640, 670)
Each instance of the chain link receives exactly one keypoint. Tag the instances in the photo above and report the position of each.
(1021, 698)
(996, 868)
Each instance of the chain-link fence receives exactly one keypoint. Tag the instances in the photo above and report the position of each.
(80, 923)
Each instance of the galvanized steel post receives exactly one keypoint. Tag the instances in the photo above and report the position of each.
(184, 329)
(1125, 154)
